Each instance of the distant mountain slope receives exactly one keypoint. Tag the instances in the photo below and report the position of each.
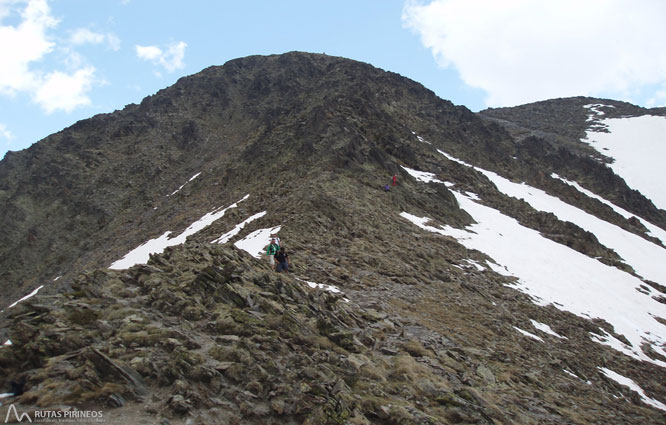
(245, 122)
(554, 133)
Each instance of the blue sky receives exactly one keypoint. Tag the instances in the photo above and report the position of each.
(66, 60)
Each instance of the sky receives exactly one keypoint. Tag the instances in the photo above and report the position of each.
(67, 60)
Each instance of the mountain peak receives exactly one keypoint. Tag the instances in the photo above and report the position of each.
(445, 266)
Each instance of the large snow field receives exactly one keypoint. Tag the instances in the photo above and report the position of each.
(645, 257)
(653, 230)
(552, 273)
(638, 147)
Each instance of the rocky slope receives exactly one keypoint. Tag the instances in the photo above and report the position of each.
(204, 333)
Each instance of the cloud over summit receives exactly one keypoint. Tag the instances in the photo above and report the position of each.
(520, 51)
(24, 45)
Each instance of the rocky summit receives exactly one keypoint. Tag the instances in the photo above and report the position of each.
(445, 266)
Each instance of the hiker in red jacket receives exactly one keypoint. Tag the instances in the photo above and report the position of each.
(395, 180)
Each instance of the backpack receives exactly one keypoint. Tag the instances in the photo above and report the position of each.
(272, 249)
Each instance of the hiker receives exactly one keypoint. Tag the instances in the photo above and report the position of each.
(272, 249)
(282, 260)
(387, 188)
(395, 180)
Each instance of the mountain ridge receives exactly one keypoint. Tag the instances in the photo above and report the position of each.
(312, 139)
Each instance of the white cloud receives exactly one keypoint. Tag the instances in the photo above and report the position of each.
(151, 53)
(5, 134)
(171, 59)
(86, 36)
(60, 91)
(23, 44)
(25, 48)
(520, 51)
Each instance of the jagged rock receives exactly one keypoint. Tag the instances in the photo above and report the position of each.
(179, 405)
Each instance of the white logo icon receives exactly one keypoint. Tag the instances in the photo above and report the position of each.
(16, 414)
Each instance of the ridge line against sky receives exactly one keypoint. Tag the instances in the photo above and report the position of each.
(65, 60)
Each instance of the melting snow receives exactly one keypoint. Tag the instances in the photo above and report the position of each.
(570, 373)
(183, 185)
(594, 108)
(476, 265)
(233, 232)
(421, 139)
(422, 176)
(653, 230)
(528, 334)
(645, 257)
(255, 242)
(141, 254)
(30, 295)
(614, 343)
(329, 288)
(622, 380)
(546, 329)
(638, 147)
(585, 287)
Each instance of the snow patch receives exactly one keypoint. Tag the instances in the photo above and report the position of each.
(329, 288)
(616, 344)
(596, 112)
(141, 254)
(624, 381)
(30, 295)
(451, 158)
(570, 373)
(421, 139)
(638, 146)
(653, 230)
(546, 329)
(422, 176)
(528, 334)
(233, 232)
(183, 185)
(476, 265)
(255, 242)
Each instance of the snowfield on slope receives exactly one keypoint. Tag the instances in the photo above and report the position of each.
(141, 254)
(638, 147)
(585, 287)
(653, 230)
(646, 258)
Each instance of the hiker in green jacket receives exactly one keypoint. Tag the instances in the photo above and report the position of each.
(271, 250)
